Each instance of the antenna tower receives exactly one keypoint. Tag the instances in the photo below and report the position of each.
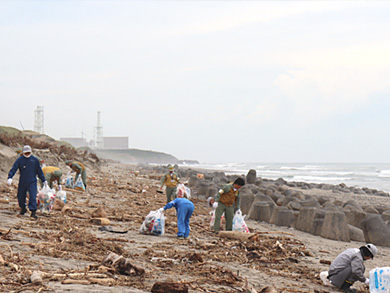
(38, 122)
(99, 133)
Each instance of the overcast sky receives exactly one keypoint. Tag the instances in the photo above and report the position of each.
(214, 81)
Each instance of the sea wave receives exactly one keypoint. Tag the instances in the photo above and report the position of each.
(384, 173)
(320, 179)
(307, 167)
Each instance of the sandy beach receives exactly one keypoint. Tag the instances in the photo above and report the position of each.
(68, 249)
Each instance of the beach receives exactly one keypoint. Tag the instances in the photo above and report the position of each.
(66, 242)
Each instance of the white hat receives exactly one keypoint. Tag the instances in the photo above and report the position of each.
(26, 149)
(372, 248)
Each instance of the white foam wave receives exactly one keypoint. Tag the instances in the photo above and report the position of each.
(307, 167)
(320, 179)
(384, 173)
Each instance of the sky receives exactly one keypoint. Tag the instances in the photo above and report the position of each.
(213, 81)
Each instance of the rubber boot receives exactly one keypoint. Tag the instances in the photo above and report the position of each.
(33, 215)
(23, 211)
(346, 287)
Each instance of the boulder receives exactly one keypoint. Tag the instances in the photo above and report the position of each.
(335, 226)
(261, 210)
(370, 209)
(305, 219)
(282, 216)
(246, 200)
(386, 215)
(356, 234)
(251, 176)
(375, 230)
(354, 216)
(192, 181)
(310, 202)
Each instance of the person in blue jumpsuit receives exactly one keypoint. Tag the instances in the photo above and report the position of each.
(184, 209)
(29, 167)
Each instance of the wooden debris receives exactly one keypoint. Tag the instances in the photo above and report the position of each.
(100, 221)
(269, 289)
(325, 262)
(238, 235)
(36, 278)
(58, 205)
(99, 213)
(103, 282)
(169, 287)
(79, 282)
(122, 265)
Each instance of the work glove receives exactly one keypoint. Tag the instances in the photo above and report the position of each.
(59, 187)
(161, 210)
(9, 181)
(215, 205)
(367, 281)
(45, 184)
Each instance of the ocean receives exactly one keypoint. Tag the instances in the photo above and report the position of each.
(374, 176)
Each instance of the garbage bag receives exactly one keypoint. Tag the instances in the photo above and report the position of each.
(79, 185)
(239, 222)
(61, 195)
(154, 224)
(69, 181)
(46, 197)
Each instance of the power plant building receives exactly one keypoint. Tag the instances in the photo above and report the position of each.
(116, 142)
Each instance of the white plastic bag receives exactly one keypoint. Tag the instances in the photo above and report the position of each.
(154, 224)
(239, 222)
(212, 220)
(324, 278)
(79, 185)
(380, 280)
(69, 181)
(46, 197)
(180, 190)
(61, 195)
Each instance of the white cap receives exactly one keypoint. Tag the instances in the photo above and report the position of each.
(26, 149)
(372, 248)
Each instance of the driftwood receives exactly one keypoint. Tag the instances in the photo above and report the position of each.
(14, 231)
(238, 235)
(100, 221)
(169, 287)
(36, 278)
(123, 265)
(99, 213)
(103, 282)
(79, 282)
(72, 190)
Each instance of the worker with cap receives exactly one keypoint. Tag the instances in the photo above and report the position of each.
(29, 168)
(348, 267)
(170, 179)
(228, 198)
(19, 152)
(52, 174)
(79, 169)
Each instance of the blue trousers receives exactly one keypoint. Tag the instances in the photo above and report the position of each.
(22, 193)
(184, 214)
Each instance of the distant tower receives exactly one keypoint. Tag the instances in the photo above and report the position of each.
(38, 122)
(99, 133)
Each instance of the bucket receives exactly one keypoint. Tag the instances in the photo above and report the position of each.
(380, 280)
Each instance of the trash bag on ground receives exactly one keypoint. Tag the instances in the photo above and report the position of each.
(61, 195)
(46, 197)
(154, 224)
(79, 185)
(239, 222)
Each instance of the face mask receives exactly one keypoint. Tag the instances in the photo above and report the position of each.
(27, 156)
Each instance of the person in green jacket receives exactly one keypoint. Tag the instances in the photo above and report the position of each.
(170, 179)
(79, 169)
(228, 199)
